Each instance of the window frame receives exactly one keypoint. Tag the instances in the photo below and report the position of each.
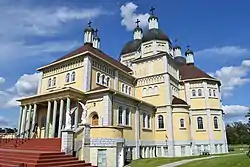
(216, 123)
(182, 123)
(127, 116)
(200, 125)
(67, 78)
(199, 92)
(120, 115)
(160, 122)
(49, 82)
(193, 93)
(73, 76)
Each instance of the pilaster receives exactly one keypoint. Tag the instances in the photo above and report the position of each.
(137, 133)
(29, 117)
(76, 117)
(87, 74)
(107, 110)
(48, 119)
(54, 119)
(67, 142)
(116, 82)
(60, 118)
(34, 120)
(86, 143)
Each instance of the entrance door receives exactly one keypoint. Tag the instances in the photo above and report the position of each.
(120, 155)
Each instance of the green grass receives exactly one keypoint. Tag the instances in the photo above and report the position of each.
(227, 161)
(153, 162)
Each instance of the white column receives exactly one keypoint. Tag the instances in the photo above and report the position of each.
(107, 110)
(67, 104)
(20, 120)
(34, 120)
(48, 119)
(54, 119)
(29, 116)
(87, 73)
(60, 118)
(137, 133)
(116, 82)
(24, 120)
(76, 117)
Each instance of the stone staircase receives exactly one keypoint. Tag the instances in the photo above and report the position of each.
(36, 153)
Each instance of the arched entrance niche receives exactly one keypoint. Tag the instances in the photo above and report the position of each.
(94, 119)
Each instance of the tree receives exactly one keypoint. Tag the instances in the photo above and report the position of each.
(248, 115)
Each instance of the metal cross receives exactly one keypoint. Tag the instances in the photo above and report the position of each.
(89, 23)
(137, 22)
(152, 10)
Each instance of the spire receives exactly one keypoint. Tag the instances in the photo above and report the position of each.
(96, 39)
(177, 49)
(190, 55)
(88, 33)
(138, 30)
(152, 20)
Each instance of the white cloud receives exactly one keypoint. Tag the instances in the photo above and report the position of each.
(235, 110)
(129, 16)
(2, 80)
(26, 85)
(233, 76)
(224, 51)
(4, 122)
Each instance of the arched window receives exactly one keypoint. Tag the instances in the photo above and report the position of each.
(49, 83)
(120, 115)
(199, 92)
(200, 122)
(160, 122)
(68, 78)
(95, 120)
(182, 123)
(214, 92)
(193, 93)
(103, 79)
(98, 77)
(129, 90)
(144, 92)
(54, 81)
(127, 116)
(107, 80)
(216, 126)
(123, 87)
(149, 121)
(150, 90)
(210, 92)
(126, 89)
(144, 120)
(73, 76)
(156, 90)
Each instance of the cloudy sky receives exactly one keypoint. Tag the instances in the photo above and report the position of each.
(34, 33)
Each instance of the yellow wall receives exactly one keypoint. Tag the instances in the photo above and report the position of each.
(200, 134)
(214, 103)
(94, 79)
(197, 103)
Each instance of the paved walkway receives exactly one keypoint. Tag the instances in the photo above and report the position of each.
(175, 164)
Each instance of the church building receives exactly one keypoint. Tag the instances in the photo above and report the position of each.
(152, 102)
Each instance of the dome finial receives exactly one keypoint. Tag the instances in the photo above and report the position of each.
(190, 55)
(152, 10)
(89, 23)
(137, 22)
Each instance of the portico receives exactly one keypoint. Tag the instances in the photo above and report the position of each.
(48, 111)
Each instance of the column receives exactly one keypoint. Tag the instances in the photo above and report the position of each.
(24, 120)
(76, 117)
(48, 119)
(29, 116)
(116, 82)
(34, 120)
(54, 119)
(20, 120)
(60, 118)
(107, 110)
(87, 73)
(137, 133)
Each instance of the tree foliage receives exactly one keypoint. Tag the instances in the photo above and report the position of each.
(238, 133)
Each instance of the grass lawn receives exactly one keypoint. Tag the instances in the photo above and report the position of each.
(227, 161)
(153, 162)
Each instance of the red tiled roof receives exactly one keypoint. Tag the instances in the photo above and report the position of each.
(189, 71)
(98, 53)
(176, 100)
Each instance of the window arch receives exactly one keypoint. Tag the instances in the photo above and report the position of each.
(214, 92)
(160, 122)
(144, 120)
(120, 113)
(216, 126)
(150, 90)
(210, 92)
(156, 89)
(103, 79)
(123, 87)
(54, 81)
(200, 122)
(144, 92)
(67, 77)
(193, 93)
(182, 123)
(107, 81)
(49, 83)
(73, 76)
(126, 89)
(129, 90)
(98, 77)
(199, 92)
(95, 120)
(127, 122)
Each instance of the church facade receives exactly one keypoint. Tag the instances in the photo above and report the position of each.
(153, 102)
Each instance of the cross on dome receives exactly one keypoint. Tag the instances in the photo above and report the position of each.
(137, 22)
(96, 31)
(89, 23)
(152, 10)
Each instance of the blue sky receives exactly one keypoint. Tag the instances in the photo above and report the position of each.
(34, 33)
